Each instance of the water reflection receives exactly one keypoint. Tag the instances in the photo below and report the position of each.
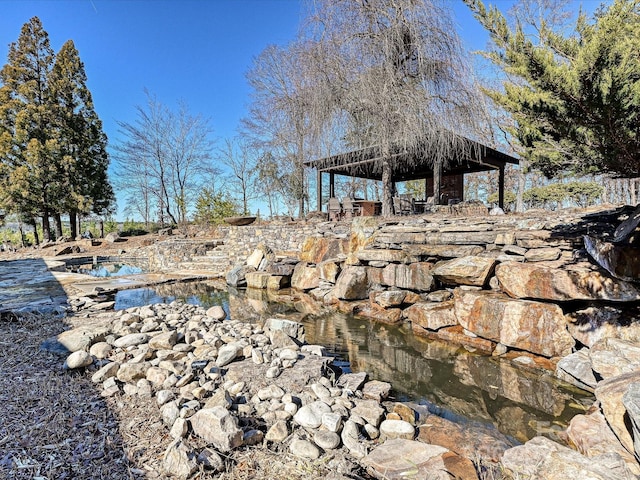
(448, 379)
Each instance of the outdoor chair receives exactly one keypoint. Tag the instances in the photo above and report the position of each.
(350, 209)
(335, 209)
(403, 205)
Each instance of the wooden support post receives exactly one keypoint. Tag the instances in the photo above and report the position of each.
(319, 190)
(332, 186)
(501, 187)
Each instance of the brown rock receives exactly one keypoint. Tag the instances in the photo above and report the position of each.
(611, 357)
(470, 270)
(443, 251)
(431, 316)
(536, 327)
(329, 271)
(609, 393)
(526, 280)
(469, 441)
(305, 277)
(544, 254)
(318, 249)
(352, 284)
(257, 279)
(399, 459)
(592, 436)
(380, 314)
(380, 255)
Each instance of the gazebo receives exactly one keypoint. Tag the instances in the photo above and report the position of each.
(447, 183)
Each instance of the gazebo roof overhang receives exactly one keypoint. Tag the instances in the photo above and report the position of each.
(367, 162)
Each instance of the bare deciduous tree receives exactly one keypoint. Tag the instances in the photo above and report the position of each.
(391, 73)
(161, 159)
(241, 160)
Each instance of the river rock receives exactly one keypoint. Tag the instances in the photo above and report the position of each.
(305, 277)
(527, 280)
(431, 316)
(611, 357)
(326, 440)
(369, 410)
(304, 449)
(164, 340)
(310, 415)
(100, 350)
(390, 429)
(218, 427)
(592, 436)
(211, 460)
(131, 340)
(131, 372)
(470, 270)
(217, 313)
(352, 284)
(178, 460)
(390, 298)
(79, 359)
(544, 459)
(291, 328)
(609, 393)
(81, 338)
(352, 381)
(107, 371)
(350, 437)
(536, 327)
(278, 432)
(399, 459)
(376, 390)
(227, 354)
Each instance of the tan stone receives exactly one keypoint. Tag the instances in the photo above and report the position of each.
(432, 316)
(592, 436)
(611, 357)
(609, 393)
(257, 279)
(305, 277)
(470, 270)
(380, 255)
(443, 251)
(276, 282)
(329, 270)
(543, 254)
(352, 284)
(381, 314)
(536, 327)
(318, 249)
(527, 280)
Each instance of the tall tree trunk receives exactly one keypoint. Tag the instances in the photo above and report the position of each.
(387, 185)
(46, 226)
(58, 225)
(437, 181)
(73, 224)
(36, 237)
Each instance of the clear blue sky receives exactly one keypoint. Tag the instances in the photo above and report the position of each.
(192, 50)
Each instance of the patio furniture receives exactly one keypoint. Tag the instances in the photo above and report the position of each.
(403, 205)
(335, 209)
(350, 208)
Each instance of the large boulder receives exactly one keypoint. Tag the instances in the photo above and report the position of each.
(530, 280)
(470, 270)
(591, 324)
(631, 401)
(352, 284)
(318, 249)
(611, 357)
(610, 393)
(430, 315)
(576, 369)
(401, 458)
(414, 276)
(592, 436)
(544, 459)
(536, 327)
(305, 277)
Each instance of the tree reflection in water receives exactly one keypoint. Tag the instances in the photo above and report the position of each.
(447, 379)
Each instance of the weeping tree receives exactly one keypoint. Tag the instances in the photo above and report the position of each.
(391, 75)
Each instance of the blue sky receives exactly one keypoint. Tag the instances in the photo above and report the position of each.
(197, 51)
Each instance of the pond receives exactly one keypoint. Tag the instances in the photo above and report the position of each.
(447, 379)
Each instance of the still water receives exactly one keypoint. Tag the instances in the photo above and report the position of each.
(447, 379)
